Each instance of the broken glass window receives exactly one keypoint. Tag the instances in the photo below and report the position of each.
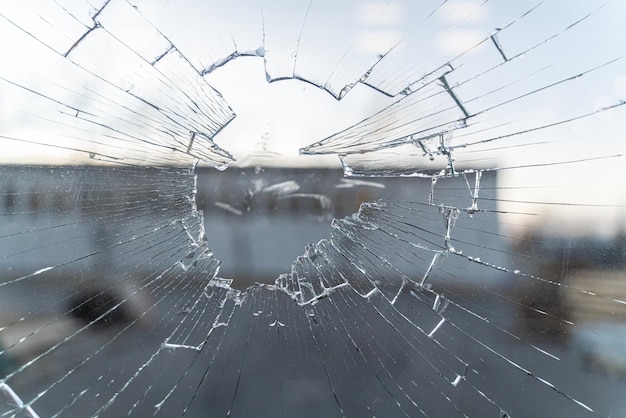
(448, 242)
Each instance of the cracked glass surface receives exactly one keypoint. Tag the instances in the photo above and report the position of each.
(430, 195)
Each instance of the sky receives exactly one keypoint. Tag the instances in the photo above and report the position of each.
(293, 114)
(330, 46)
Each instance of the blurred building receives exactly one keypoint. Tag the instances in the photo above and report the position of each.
(257, 221)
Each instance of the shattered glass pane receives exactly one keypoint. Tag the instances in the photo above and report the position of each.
(450, 240)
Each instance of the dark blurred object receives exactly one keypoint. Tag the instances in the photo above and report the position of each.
(102, 308)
